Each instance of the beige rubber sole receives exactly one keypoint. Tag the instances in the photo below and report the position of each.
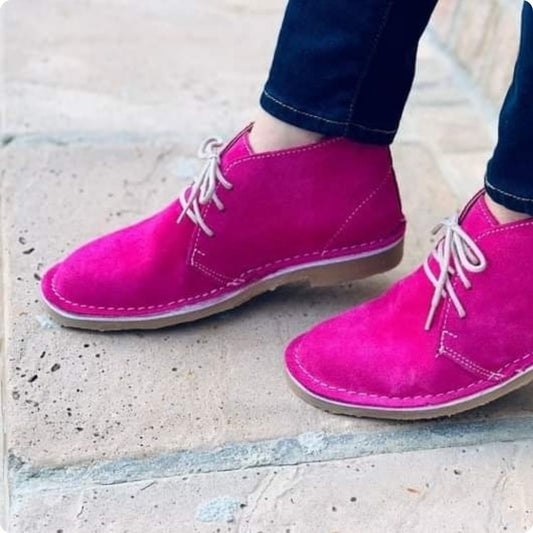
(422, 413)
(320, 274)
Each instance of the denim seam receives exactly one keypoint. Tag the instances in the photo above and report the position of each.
(521, 198)
(330, 121)
(371, 55)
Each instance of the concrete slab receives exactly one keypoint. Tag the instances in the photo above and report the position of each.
(149, 68)
(79, 397)
(166, 394)
(3, 463)
(485, 489)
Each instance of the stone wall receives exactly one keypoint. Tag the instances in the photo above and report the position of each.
(483, 36)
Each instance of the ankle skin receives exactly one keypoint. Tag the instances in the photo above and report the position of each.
(270, 134)
(502, 214)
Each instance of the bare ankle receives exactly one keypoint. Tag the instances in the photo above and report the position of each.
(269, 134)
(502, 214)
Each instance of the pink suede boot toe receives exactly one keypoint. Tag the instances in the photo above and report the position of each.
(324, 213)
(454, 335)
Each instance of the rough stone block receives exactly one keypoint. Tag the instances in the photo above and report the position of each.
(444, 17)
(484, 489)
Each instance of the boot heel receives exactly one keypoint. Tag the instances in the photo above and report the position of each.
(354, 269)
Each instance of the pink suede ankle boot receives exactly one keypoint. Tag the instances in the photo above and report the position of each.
(325, 213)
(454, 335)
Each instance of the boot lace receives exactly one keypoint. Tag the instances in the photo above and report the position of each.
(203, 188)
(455, 253)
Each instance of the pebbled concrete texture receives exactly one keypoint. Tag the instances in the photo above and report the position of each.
(164, 384)
(483, 489)
(106, 104)
(76, 397)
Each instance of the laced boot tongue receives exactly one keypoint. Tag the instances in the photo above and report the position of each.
(239, 148)
(457, 254)
(204, 187)
(476, 217)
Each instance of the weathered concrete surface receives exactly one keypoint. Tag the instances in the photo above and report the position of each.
(165, 386)
(77, 398)
(107, 102)
(485, 489)
(189, 68)
(3, 484)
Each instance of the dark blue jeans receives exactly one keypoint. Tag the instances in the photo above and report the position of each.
(346, 67)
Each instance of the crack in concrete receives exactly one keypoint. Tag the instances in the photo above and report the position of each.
(255, 499)
(26, 478)
(5, 140)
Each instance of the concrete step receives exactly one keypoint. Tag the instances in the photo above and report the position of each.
(480, 489)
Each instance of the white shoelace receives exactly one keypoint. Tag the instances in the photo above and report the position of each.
(458, 247)
(203, 189)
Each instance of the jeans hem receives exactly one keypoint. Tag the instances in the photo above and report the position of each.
(509, 200)
(323, 125)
